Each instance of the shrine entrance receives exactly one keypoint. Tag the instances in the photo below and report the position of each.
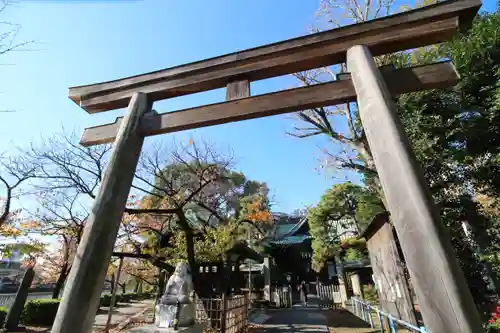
(444, 298)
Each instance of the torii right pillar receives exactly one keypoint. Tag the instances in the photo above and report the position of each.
(444, 297)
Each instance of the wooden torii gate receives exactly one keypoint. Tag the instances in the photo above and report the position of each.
(445, 301)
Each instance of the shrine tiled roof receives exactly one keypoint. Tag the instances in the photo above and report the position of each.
(289, 240)
(282, 230)
(285, 233)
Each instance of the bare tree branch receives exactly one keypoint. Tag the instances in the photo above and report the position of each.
(64, 164)
(13, 172)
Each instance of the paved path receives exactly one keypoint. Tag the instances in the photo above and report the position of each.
(309, 319)
(294, 320)
(121, 313)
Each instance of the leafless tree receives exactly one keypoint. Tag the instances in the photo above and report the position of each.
(67, 180)
(185, 180)
(341, 123)
(63, 164)
(61, 214)
(14, 171)
(9, 31)
(183, 189)
(8, 34)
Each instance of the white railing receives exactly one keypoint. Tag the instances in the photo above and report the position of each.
(392, 324)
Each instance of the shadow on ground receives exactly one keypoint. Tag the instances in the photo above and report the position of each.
(344, 318)
(295, 320)
(309, 320)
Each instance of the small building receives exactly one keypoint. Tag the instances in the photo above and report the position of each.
(289, 244)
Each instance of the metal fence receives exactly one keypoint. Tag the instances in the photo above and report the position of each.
(329, 295)
(382, 320)
(228, 314)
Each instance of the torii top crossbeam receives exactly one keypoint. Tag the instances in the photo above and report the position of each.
(424, 26)
(411, 29)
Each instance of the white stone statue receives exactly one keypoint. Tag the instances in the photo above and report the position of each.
(179, 289)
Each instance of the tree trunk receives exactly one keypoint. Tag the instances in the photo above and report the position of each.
(140, 287)
(188, 233)
(124, 288)
(190, 250)
(112, 283)
(161, 284)
(6, 209)
(60, 281)
(137, 283)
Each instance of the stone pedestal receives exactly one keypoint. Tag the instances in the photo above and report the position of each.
(151, 328)
(166, 315)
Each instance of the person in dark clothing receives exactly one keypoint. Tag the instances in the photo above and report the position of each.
(303, 291)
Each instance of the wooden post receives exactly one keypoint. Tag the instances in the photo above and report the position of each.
(223, 316)
(16, 310)
(339, 266)
(445, 300)
(267, 280)
(84, 286)
(290, 295)
(237, 90)
(113, 295)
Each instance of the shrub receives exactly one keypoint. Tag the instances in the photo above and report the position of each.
(3, 314)
(370, 294)
(106, 300)
(129, 296)
(146, 295)
(494, 323)
(125, 298)
(40, 311)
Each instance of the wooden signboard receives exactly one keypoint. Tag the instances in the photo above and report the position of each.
(388, 272)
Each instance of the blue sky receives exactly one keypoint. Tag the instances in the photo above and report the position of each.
(84, 42)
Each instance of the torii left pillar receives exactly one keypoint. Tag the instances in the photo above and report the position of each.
(83, 289)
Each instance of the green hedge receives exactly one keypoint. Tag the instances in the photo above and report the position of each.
(128, 297)
(3, 314)
(43, 311)
(40, 311)
(124, 298)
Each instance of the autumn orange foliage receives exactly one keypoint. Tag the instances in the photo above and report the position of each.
(258, 212)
